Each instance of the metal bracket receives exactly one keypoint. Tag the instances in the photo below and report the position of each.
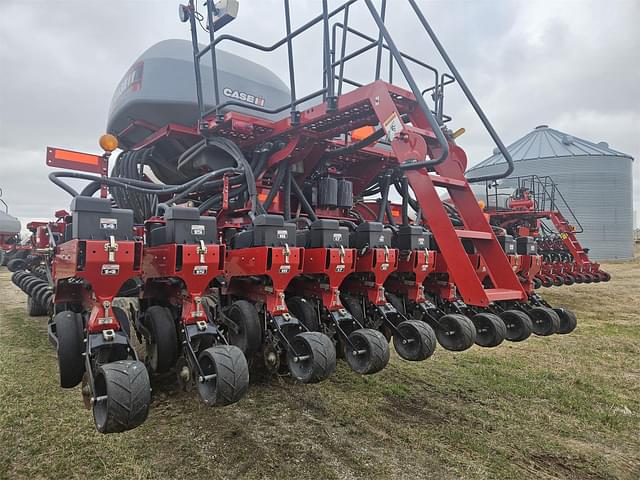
(343, 254)
(202, 251)
(111, 247)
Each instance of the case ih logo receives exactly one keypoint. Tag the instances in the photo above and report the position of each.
(243, 96)
(131, 82)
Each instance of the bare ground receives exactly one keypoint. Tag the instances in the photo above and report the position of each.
(556, 407)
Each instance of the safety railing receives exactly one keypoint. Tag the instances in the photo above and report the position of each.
(6, 207)
(381, 41)
(543, 190)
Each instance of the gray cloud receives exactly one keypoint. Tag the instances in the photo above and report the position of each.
(570, 64)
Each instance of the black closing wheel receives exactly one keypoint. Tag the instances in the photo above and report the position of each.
(490, 329)
(162, 341)
(416, 340)
(248, 334)
(312, 358)
(568, 320)
(121, 396)
(518, 325)
(225, 375)
(17, 277)
(35, 308)
(16, 264)
(70, 335)
(544, 321)
(455, 332)
(304, 311)
(368, 352)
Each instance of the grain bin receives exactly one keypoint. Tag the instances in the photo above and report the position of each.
(596, 181)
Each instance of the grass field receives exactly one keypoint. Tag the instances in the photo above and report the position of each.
(556, 407)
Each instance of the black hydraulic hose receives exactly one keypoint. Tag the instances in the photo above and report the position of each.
(287, 196)
(387, 209)
(352, 147)
(405, 200)
(184, 194)
(365, 142)
(233, 193)
(281, 173)
(385, 197)
(90, 189)
(303, 200)
(350, 224)
(263, 154)
(127, 183)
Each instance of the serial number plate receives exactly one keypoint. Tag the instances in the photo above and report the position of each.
(110, 269)
(200, 269)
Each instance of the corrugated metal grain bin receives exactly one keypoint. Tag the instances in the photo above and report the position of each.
(596, 181)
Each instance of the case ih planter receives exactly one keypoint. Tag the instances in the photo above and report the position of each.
(268, 224)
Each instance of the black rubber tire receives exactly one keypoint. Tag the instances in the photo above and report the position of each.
(604, 276)
(455, 332)
(322, 357)
(128, 390)
(230, 366)
(569, 280)
(70, 335)
(304, 311)
(3, 258)
(544, 321)
(16, 264)
(34, 308)
(377, 352)
(596, 277)
(45, 297)
(423, 342)
(537, 283)
(558, 281)
(162, 346)
(490, 329)
(579, 278)
(518, 325)
(249, 337)
(547, 281)
(354, 307)
(587, 278)
(37, 291)
(39, 294)
(16, 277)
(568, 320)
(29, 283)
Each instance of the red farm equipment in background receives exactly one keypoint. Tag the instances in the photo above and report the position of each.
(533, 211)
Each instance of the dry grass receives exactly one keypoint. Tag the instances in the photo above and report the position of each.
(557, 407)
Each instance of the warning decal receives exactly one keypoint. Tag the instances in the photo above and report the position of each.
(392, 126)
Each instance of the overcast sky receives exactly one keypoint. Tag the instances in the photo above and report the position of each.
(574, 65)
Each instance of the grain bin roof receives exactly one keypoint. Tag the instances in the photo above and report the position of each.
(545, 142)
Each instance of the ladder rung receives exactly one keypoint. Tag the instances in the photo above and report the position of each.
(475, 234)
(497, 294)
(447, 182)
